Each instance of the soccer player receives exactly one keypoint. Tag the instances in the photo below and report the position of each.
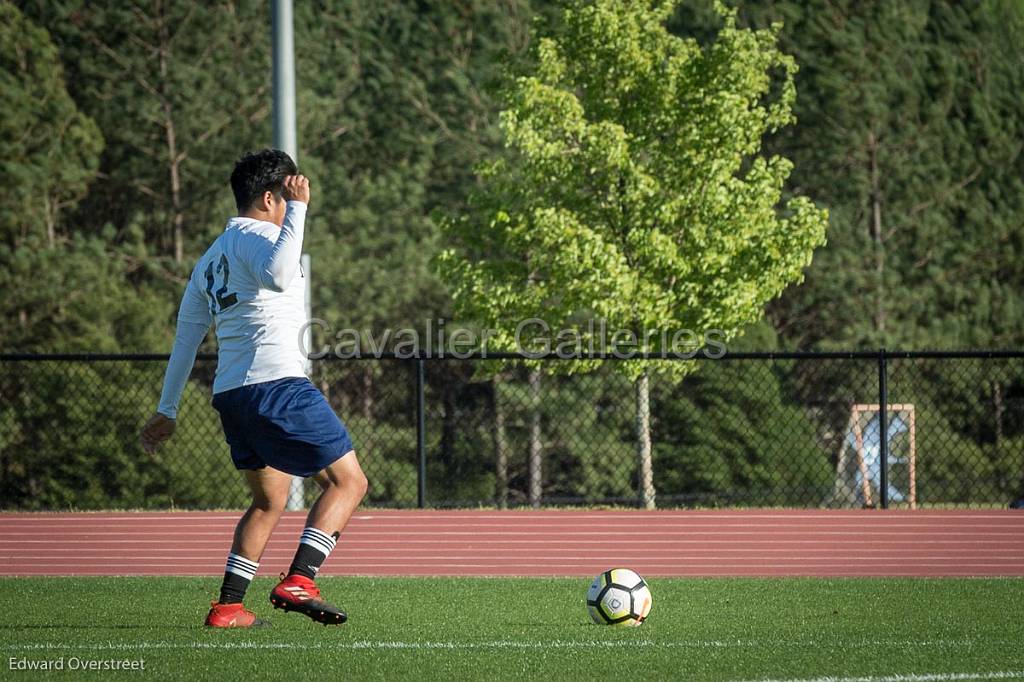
(249, 283)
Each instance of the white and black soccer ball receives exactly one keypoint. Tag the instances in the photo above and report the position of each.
(619, 597)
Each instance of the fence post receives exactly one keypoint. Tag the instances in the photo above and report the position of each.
(883, 428)
(535, 462)
(421, 434)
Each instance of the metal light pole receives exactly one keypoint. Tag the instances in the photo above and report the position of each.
(286, 139)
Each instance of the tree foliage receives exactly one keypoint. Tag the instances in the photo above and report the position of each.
(635, 190)
(180, 90)
(652, 177)
(67, 288)
(49, 149)
(910, 122)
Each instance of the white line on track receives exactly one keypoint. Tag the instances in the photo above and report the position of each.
(549, 515)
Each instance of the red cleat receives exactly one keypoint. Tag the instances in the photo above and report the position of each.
(232, 616)
(299, 593)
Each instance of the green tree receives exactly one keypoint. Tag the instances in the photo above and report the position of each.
(179, 89)
(76, 297)
(394, 109)
(65, 290)
(635, 191)
(732, 435)
(909, 117)
(394, 113)
(50, 149)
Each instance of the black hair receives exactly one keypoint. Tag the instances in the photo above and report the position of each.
(259, 172)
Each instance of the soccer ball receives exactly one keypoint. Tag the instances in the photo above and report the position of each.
(619, 597)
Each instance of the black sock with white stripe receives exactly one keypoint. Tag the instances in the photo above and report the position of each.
(314, 548)
(238, 573)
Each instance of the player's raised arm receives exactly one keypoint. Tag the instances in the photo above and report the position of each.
(274, 269)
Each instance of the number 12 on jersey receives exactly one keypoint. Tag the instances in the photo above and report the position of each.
(220, 300)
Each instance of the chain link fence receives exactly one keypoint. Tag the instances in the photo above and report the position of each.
(747, 430)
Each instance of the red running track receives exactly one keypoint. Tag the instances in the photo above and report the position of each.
(537, 543)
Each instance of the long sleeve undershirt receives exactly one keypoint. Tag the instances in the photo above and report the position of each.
(276, 269)
(186, 342)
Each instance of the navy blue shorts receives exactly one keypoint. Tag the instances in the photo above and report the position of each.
(285, 424)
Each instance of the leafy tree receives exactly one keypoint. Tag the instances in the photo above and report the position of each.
(67, 290)
(635, 191)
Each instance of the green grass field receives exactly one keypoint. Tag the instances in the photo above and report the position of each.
(538, 629)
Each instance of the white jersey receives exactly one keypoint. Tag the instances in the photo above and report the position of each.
(250, 285)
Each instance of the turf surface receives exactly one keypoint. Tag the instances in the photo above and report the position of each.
(535, 629)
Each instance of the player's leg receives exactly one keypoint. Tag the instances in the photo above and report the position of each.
(269, 489)
(343, 486)
(299, 433)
